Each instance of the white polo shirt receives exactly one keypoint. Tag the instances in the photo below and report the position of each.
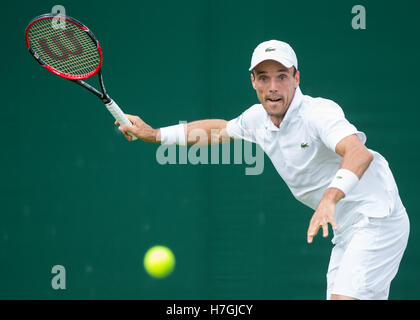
(302, 150)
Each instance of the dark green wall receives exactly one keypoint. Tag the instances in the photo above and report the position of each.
(75, 193)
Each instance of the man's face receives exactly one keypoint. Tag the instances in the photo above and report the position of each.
(275, 86)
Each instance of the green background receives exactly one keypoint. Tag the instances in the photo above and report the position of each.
(75, 193)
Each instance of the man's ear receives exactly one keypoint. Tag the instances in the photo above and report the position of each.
(297, 76)
(253, 80)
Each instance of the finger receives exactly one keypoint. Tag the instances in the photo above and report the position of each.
(333, 224)
(312, 231)
(325, 230)
(116, 123)
(133, 119)
(127, 136)
(125, 131)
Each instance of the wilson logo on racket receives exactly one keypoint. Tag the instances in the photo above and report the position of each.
(64, 50)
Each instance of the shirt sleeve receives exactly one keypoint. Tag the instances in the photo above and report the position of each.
(331, 126)
(244, 126)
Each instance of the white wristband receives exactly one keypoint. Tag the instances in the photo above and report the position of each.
(173, 135)
(345, 180)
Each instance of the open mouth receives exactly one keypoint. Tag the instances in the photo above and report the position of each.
(274, 99)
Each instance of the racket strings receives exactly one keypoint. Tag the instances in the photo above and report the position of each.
(67, 48)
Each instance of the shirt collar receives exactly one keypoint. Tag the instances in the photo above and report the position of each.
(294, 106)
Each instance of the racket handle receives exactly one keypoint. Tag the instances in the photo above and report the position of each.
(119, 115)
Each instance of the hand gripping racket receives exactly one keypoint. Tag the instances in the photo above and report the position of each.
(67, 48)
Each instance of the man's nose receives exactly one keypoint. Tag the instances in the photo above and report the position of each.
(273, 87)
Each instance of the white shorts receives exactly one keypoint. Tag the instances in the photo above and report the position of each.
(364, 265)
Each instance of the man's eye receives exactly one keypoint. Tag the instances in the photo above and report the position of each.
(263, 78)
(283, 77)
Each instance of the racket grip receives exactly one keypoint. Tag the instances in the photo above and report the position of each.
(119, 115)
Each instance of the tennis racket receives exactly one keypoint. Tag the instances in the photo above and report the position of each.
(67, 48)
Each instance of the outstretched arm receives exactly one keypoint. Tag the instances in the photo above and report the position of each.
(204, 132)
(201, 132)
(356, 158)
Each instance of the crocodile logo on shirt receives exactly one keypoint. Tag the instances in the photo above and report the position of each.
(304, 145)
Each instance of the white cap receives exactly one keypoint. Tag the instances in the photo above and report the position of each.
(274, 50)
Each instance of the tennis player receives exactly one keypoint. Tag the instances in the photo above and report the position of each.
(323, 159)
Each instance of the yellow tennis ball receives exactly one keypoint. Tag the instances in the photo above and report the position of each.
(159, 261)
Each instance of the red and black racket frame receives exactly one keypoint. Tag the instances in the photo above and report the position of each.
(77, 79)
